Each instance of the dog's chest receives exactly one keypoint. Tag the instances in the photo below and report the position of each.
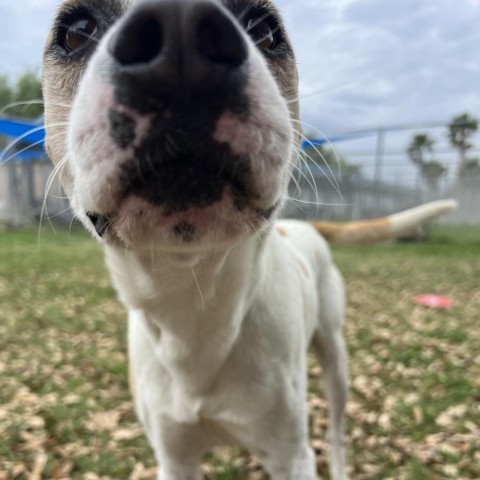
(190, 386)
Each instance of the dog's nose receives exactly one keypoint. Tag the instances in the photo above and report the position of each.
(181, 48)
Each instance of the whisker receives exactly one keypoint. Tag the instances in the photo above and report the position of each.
(27, 103)
(320, 203)
(311, 182)
(44, 212)
(312, 176)
(333, 182)
(259, 20)
(294, 179)
(23, 150)
(243, 13)
(74, 217)
(31, 146)
(329, 143)
(272, 32)
(68, 209)
(299, 98)
(25, 135)
(199, 289)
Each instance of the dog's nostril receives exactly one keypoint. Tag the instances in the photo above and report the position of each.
(220, 42)
(139, 42)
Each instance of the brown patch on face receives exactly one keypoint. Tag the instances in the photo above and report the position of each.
(283, 67)
(61, 76)
(286, 74)
(282, 232)
(59, 85)
(284, 70)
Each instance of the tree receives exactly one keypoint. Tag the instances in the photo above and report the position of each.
(460, 131)
(6, 93)
(421, 148)
(27, 88)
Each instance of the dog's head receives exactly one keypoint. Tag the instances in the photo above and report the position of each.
(172, 120)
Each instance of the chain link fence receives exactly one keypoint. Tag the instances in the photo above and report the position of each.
(385, 180)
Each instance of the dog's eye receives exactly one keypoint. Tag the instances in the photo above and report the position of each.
(79, 33)
(262, 33)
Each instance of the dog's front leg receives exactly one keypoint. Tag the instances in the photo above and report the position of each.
(178, 472)
(177, 450)
(288, 464)
(178, 444)
(281, 439)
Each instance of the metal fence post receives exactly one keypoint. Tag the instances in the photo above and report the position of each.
(15, 208)
(379, 155)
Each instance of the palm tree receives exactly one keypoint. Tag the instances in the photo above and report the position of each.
(460, 130)
(431, 170)
(420, 146)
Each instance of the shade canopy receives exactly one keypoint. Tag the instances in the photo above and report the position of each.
(30, 136)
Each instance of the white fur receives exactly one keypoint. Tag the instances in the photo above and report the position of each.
(217, 343)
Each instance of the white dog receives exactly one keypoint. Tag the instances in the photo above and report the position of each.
(175, 125)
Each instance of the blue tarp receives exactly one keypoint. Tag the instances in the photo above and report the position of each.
(16, 128)
(31, 138)
(319, 142)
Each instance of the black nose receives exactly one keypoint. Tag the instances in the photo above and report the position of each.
(178, 47)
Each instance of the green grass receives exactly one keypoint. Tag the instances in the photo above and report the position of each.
(415, 372)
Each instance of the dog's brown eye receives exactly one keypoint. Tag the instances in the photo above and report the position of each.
(262, 34)
(79, 33)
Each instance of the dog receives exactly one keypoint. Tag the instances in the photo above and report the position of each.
(174, 128)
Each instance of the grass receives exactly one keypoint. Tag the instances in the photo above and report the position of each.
(65, 409)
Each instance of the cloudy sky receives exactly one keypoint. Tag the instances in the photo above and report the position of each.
(362, 63)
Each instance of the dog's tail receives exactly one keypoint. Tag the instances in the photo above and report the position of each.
(377, 230)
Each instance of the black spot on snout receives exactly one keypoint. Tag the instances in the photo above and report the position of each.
(185, 231)
(122, 129)
(179, 166)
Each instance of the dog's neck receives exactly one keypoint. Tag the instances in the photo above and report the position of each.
(153, 279)
(194, 304)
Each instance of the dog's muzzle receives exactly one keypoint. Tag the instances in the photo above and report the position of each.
(178, 130)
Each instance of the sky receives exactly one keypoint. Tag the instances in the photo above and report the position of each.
(362, 63)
